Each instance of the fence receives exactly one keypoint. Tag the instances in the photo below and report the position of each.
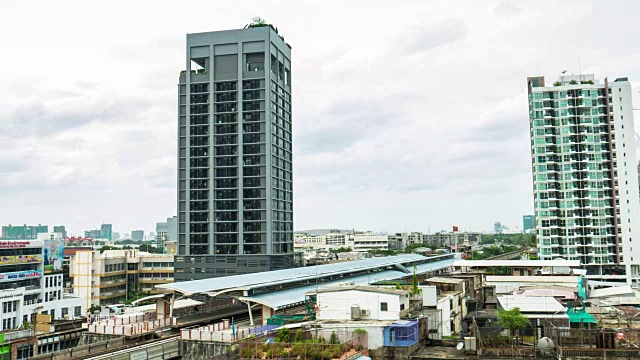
(597, 353)
(223, 332)
(128, 319)
(131, 329)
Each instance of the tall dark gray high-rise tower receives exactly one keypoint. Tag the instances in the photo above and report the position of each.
(235, 199)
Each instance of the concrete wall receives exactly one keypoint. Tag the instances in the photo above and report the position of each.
(204, 349)
(394, 352)
(429, 295)
(337, 305)
(444, 305)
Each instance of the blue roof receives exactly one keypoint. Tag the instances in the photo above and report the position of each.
(271, 278)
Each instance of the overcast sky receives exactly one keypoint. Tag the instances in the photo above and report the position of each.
(408, 116)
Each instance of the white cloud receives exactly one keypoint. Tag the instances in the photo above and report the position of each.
(406, 116)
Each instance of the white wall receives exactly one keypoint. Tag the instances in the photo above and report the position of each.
(336, 305)
(627, 175)
(445, 308)
(429, 295)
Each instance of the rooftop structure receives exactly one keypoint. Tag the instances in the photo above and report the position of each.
(361, 302)
(625, 290)
(531, 304)
(517, 263)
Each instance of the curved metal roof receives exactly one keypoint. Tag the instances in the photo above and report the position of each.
(278, 277)
(287, 297)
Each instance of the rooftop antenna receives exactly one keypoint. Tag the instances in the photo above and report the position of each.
(580, 68)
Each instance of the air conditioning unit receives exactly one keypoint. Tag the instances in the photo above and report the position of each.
(364, 312)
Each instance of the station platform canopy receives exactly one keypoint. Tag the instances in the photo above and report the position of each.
(345, 271)
(295, 296)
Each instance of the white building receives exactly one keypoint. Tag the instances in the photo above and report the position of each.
(166, 231)
(31, 281)
(379, 311)
(109, 278)
(365, 302)
(585, 174)
(364, 243)
(336, 239)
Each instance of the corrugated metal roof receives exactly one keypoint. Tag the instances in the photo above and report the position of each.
(573, 280)
(531, 304)
(580, 316)
(616, 300)
(270, 278)
(547, 293)
(376, 289)
(517, 263)
(612, 291)
(282, 298)
(444, 280)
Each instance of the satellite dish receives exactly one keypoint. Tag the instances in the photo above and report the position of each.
(460, 345)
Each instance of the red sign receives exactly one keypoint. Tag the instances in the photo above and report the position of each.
(455, 228)
(14, 244)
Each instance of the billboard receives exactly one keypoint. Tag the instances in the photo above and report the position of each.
(20, 275)
(53, 256)
(20, 259)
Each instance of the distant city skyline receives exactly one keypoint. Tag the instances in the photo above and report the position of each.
(87, 142)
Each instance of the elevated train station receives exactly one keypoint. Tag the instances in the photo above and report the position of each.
(282, 289)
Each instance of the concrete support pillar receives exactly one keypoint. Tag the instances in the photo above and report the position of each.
(162, 309)
(267, 312)
(173, 302)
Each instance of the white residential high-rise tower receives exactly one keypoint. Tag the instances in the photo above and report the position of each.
(585, 176)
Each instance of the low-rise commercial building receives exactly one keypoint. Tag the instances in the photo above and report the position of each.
(31, 281)
(110, 277)
(364, 243)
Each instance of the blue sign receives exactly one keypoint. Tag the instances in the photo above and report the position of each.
(20, 275)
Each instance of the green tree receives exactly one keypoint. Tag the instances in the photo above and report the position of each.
(333, 339)
(513, 320)
(257, 22)
(105, 248)
(414, 284)
(284, 335)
